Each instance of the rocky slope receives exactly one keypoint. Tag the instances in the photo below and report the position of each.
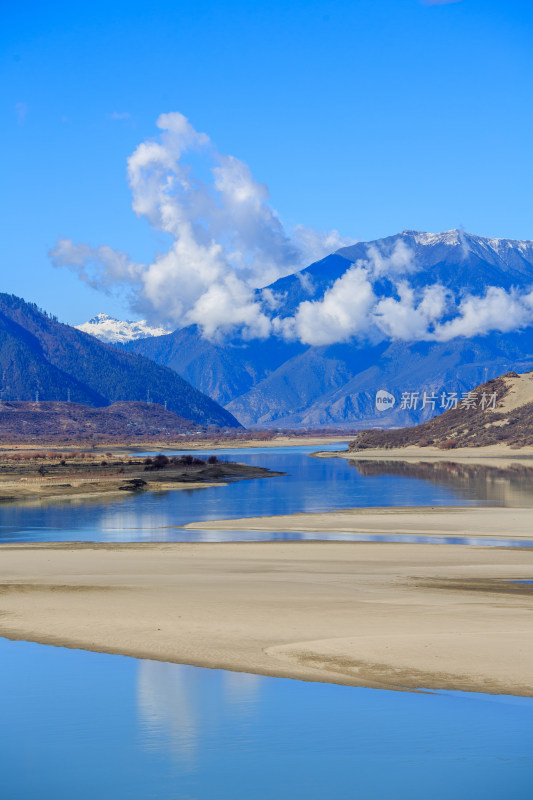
(497, 412)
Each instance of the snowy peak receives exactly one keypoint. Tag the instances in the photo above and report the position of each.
(469, 242)
(453, 247)
(451, 238)
(116, 331)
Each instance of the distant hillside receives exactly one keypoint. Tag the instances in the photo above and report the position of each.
(509, 422)
(39, 354)
(275, 383)
(225, 370)
(28, 422)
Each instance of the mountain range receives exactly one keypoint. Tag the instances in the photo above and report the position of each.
(40, 356)
(280, 383)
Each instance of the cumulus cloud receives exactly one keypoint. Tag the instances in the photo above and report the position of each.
(227, 240)
(227, 243)
(409, 317)
(374, 300)
(350, 306)
(496, 310)
(342, 313)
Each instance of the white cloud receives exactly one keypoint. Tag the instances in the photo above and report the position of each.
(271, 299)
(496, 310)
(399, 261)
(99, 267)
(359, 304)
(227, 239)
(342, 313)
(410, 317)
(228, 242)
(314, 244)
(228, 304)
(350, 307)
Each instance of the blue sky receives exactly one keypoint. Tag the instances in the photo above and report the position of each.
(368, 117)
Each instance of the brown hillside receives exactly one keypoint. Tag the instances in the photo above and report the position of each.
(510, 422)
(61, 422)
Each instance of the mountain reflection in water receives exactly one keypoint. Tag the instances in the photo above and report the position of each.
(89, 725)
(510, 486)
(308, 485)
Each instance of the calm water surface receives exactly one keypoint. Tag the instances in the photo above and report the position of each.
(84, 725)
(311, 484)
(90, 726)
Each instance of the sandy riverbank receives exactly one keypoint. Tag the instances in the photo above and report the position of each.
(46, 477)
(278, 441)
(499, 455)
(382, 615)
(13, 492)
(183, 443)
(512, 523)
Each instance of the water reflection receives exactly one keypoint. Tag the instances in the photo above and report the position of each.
(89, 725)
(175, 702)
(243, 736)
(340, 536)
(310, 484)
(510, 486)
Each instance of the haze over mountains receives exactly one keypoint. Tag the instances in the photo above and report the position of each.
(40, 355)
(415, 312)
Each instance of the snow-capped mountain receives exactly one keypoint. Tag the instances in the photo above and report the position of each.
(116, 331)
(486, 329)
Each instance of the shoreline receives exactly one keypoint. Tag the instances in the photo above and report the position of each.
(438, 521)
(77, 480)
(100, 494)
(390, 616)
(179, 445)
(494, 455)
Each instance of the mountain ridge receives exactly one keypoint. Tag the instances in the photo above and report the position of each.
(38, 354)
(278, 383)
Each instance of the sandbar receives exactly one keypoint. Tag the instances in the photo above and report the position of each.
(396, 616)
(503, 523)
(497, 455)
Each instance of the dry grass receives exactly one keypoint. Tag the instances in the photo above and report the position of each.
(462, 427)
